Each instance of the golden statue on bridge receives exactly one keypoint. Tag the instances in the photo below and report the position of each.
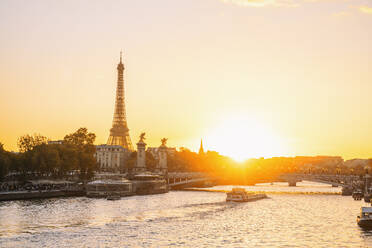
(142, 137)
(164, 141)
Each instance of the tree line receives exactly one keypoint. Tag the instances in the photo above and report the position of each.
(73, 157)
(259, 170)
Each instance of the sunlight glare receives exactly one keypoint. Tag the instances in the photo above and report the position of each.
(241, 137)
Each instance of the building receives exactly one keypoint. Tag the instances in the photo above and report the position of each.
(114, 155)
(353, 163)
(55, 142)
(155, 151)
(112, 158)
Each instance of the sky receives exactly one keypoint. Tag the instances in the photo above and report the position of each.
(252, 78)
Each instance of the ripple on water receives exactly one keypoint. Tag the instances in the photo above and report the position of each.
(184, 219)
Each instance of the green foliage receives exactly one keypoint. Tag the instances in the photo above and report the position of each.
(4, 162)
(81, 138)
(68, 156)
(28, 142)
(131, 162)
(151, 162)
(83, 143)
(37, 158)
(45, 158)
(188, 161)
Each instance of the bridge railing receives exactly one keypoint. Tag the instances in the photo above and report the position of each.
(339, 179)
(186, 175)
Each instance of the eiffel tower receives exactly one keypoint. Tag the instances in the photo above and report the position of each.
(119, 133)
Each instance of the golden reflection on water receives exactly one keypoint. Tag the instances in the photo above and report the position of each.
(265, 192)
(185, 219)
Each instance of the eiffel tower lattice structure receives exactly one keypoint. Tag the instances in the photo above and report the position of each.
(119, 133)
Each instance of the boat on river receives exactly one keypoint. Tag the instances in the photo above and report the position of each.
(240, 195)
(357, 195)
(365, 218)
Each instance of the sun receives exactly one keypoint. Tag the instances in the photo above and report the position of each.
(241, 137)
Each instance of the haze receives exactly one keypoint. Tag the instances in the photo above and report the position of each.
(252, 78)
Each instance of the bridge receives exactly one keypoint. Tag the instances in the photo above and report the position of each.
(182, 179)
(334, 180)
(188, 179)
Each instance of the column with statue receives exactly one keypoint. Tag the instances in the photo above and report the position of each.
(141, 154)
(162, 166)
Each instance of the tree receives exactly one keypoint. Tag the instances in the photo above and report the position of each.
(150, 162)
(37, 158)
(46, 159)
(68, 159)
(28, 142)
(4, 162)
(81, 138)
(83, 142)
(131, 162)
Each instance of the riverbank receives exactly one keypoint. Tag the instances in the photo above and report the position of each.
(43, 194)
(139, 185)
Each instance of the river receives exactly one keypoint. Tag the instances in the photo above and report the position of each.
(303, 216)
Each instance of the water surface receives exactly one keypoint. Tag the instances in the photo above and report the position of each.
(187, 219)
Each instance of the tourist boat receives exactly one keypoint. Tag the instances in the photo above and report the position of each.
(365, 218)
(357, 195)
(240, 195)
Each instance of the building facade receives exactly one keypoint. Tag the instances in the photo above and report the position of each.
(155, 151)
(112, 158)
(55, 142)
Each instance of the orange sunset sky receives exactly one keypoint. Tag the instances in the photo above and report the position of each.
(251, 77)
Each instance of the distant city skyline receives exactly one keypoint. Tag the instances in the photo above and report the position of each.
(250, 78)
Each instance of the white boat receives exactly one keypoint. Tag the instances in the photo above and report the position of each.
(240, 195)
(357, 195)
(365, 218)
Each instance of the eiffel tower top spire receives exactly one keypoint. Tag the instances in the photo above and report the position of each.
(119, 133)
(120, 65)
